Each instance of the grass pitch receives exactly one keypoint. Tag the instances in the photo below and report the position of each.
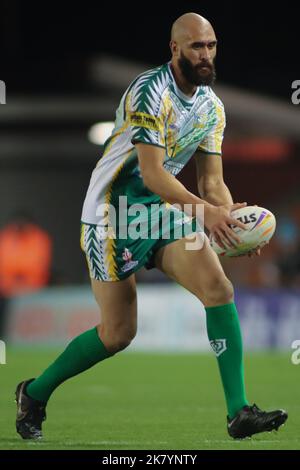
(150, 401)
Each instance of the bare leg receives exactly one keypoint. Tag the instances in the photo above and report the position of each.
(118, 306)
(199, 271)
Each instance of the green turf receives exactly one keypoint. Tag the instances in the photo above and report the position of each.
(143, 401)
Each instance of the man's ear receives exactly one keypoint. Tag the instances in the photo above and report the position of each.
(174, 47)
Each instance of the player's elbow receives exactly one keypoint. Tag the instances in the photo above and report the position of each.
(208, 185)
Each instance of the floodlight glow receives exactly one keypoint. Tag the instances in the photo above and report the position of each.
(100, 132)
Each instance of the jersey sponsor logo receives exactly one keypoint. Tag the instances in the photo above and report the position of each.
(173, 167)
(145, 120)
(218, 346)
(127, 256)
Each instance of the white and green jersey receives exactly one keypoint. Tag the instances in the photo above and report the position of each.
(154, 111)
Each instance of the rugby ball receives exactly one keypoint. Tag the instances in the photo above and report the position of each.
(260, 223)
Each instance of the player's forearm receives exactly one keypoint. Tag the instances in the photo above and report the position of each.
(216, 193)
(171, 190)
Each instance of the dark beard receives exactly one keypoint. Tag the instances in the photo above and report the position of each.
(192, 73)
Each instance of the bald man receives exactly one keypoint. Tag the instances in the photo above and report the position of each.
(166, 116)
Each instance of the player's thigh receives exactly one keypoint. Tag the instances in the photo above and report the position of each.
(198, 270)
(117, 302)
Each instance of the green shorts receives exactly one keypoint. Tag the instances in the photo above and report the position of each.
(133, 245)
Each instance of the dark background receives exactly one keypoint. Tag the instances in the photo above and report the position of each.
(42, 42)
(46, 51)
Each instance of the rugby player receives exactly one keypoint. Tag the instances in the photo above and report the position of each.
(166, 116)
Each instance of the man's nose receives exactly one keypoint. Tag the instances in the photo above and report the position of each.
(204, 53)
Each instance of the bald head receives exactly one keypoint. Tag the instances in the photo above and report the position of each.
(188, 25)
(194, 47)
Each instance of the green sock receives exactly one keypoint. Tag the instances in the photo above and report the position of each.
(223, 329)
(83, 352)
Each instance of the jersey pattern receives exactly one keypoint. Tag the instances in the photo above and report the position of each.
(153, 111)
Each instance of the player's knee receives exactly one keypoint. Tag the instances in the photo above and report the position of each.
(119, 343)
(220, 291)
(117, 339)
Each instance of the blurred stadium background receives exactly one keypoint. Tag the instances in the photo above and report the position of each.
(65, 69)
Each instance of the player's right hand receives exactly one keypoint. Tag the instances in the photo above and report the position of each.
(218, 220)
